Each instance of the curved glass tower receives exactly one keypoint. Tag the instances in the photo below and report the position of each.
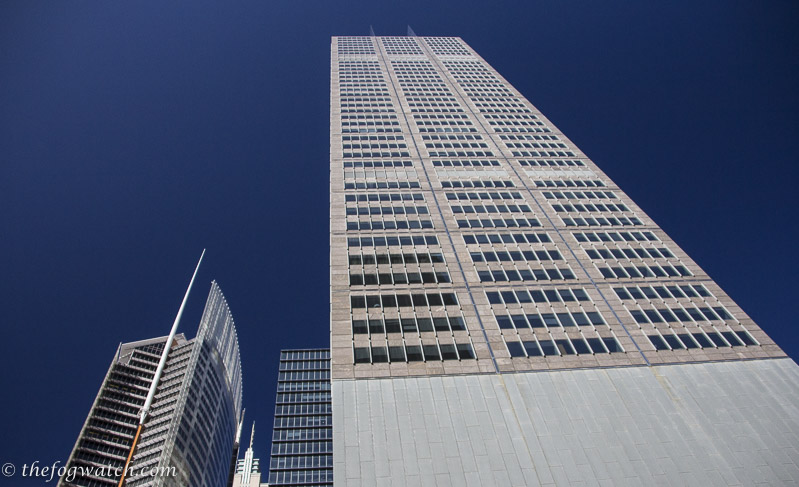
(190, 431)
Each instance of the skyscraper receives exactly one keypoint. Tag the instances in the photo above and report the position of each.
(302, 434)
(188, 437)
(521, 320)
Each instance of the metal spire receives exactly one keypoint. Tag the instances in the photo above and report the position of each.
(411, 32)
(252, 434)
(146, 408)
(371, 31)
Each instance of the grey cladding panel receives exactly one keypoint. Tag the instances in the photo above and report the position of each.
(726, 423)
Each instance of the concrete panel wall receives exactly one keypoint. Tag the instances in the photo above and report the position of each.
(704, 424)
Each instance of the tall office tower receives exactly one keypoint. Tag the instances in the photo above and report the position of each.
(194, 414)
(520, 320)
(302, 443)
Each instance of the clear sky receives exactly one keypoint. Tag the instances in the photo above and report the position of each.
(133, 134)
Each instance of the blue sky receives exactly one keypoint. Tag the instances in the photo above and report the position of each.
(134, 134)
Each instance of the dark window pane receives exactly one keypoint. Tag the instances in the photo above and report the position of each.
(732, 338)
(457, 323)
(419, 300)
(359, 326)
(440, 324)
(548, 347)
(449, 299)
(392, 326)
(434, 299)
(389, 301)
(565, 347)
(746, 338)
(425, 324)
(408, 325)
(465, 351)
(658, 342)
(580, 346)
(717, 340)
(535, 321)
(431, 353)
(357, 301)
(597, 346)
(519, 321)
(376, 326)
(566, 319)
(448, 352)
(493, 298)
(362, 355)
(372, 301)
(687, 340)
(532, 349)
(414, 353)
(403, 301)
(673, 341)
(702, 340)
(379, 355)
(504, 322)
(396, 354)
(515, 349)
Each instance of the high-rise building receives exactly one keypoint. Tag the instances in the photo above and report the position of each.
(188, 437)
(247, 471)
(302, 436)
(503, 314)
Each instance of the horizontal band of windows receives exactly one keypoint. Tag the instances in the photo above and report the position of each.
(413, 353)
(471, 172)
(392, 241)
(369, 130)
(302, 448)
(424, 130)
(416, 258)
(684, 314)
(408, 324)
(379, 173)
(528, 137)
(368, 117)
(564, 183)
(443, 123)
(712, 339)
(456, 145)
(601, 221)
(499, 223)
(452, 137)
(493, 195)
(519, 129)
(390, 278)
(304, 375)
(383, 185)
(656, 292)
(477, 184)
(304, 354)
(551, 162)
(348, 164)
(537, 296)
(549, 320)
(535, 145)
(611, 207)
(387, 210)
(302, 409)
(627, 272)
(373, 137)
(513, 275)
(306, 461)
(296, 386)
(403, 300)
(485, 209)
(390, 225)
(563, 346)
(438, 116)
(516, 256)
(615, 237)
(302, 397)
(579, 195)
(467, 153)
(543, 153)
(306, 365)
(384, 197)
(492, 238)
(643, 253)
(355, 155)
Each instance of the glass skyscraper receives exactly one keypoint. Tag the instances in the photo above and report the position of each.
(302, 446)
(503, 314)
(188, 437)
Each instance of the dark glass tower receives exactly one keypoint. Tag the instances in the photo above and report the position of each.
(302, 439)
